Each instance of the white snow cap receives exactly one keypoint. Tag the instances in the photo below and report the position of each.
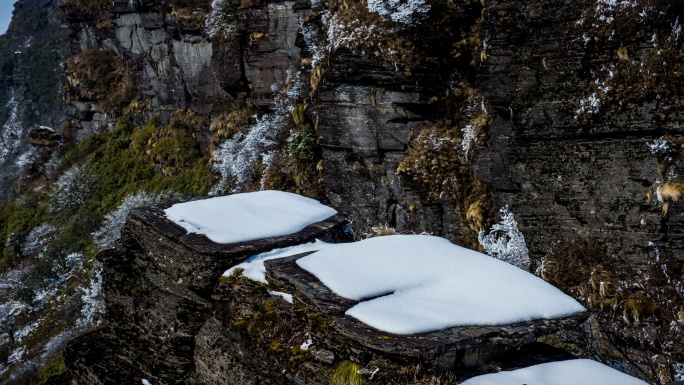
(254, 269)
(249, 216)
(572, 372)
(427, 284)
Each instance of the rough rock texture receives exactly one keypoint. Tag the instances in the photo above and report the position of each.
(171, 320)
(459, 343)
(158, 287)
(564, 175)
(30, 86)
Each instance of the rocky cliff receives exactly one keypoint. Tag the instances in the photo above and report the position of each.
(409, 116)
(171, 318)
(30, 87)
(546, 124)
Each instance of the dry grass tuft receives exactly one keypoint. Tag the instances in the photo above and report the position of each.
(347, 373)
(670, 191)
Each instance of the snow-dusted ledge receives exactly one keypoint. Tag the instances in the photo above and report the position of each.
(572, 372)
(248, 216)
(415, 295)
(421, 283)
(197, 261)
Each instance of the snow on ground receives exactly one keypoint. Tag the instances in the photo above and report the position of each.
(249, 216)
(427, 283)
(287, 297)
(254, 268)
(572, 372)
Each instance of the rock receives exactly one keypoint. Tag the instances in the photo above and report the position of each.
(160, 316)
(44, 136)
(469, 346)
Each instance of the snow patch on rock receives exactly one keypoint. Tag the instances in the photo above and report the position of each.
(249, 216)
(571, 372)
(422, 283)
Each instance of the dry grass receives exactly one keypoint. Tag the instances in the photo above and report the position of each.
(623, 54)
(347, 373)
(670, 191)
(102, 76)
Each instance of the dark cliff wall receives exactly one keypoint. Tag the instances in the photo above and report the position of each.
(31, 79)
(568, 112)
(557, 137)
(572, 173)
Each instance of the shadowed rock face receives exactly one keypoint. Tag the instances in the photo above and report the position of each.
(30, 83)
(160, 314)
(564, 174)
(171, 320)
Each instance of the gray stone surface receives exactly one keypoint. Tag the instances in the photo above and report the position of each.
(158, 286)
(471, 344)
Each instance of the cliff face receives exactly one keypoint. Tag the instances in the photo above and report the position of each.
(424, 117)
(30, 87)
(559, 140)
(569, 141)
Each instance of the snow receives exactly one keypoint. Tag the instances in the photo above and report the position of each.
(254, 268)
(505, 241)
(249, 216)
(679, 371)
(305, 345)
(401, 11)
(572, 372)
(660, 146)
(287, 297)
(427, 283)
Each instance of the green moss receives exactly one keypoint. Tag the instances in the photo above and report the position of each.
(53, 367)
(347, 373)
(302, 143)
(17, 218)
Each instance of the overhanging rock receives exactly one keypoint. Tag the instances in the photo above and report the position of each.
(157, 290)
(467, 346)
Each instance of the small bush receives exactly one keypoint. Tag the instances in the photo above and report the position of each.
(635, 310)
(302, 143)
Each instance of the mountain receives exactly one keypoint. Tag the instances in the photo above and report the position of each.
(446, 117)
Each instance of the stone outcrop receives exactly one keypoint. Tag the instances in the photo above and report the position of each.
(564, 174)
(160, 314)
(443, 350)
(172, 319)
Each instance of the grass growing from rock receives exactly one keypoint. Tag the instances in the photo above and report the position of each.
(113, 165)
(101, 76)
(636, 310)
(438, 160)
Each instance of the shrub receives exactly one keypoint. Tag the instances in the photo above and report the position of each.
(222, 24)
(636, 310)
(114, 221)
(302, 143)
(347, 373)
(505, 241)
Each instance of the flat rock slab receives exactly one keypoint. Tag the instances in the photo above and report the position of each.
(197, 261)
(286, 275)
(155, 217)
